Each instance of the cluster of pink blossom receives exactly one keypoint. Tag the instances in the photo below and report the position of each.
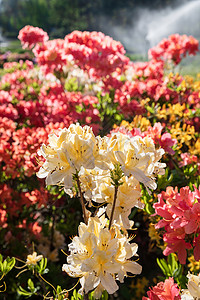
(29, 36)
(147, 80)
(163, 291)
(12, 203)
(51, 55)
(180, 213)
(100, 55)
(27, 102)
(174, 48)
(190, 159)
(104, 59)
(12, 66)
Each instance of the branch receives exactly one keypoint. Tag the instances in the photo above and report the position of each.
(82, 200)
(113, 207)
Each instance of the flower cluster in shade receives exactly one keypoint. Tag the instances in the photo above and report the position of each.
(45, 245)
(179, 212)
(100, 256)
(77, 150)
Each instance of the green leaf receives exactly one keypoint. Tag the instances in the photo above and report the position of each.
(31, 285)
(10, 265)
(149, 209)
(172, 262)
(177, 272)
(76, 296)
(4, 266)
(23, 292)
(104, 295)
(163, 265)
(1, 266)
(150, 109)
(41, 264)
(59, 289)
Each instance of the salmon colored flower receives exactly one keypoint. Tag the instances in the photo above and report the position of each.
(167, 290)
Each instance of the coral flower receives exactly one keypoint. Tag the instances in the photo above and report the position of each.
(30, 35)
(167, 290)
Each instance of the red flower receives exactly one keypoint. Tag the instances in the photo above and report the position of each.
(29, 36)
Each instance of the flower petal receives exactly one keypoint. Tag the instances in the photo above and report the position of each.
(109, 283)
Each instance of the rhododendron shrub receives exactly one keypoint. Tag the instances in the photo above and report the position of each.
(115, 146)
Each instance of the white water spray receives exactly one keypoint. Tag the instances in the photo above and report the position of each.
(183, 20)
(151, 26)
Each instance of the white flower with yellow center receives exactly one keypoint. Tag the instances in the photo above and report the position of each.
(56, 168)
(185, 295)
(139, 158)
(79, 152)
(100, 256)
(127, 197)
(32, 259)
(74, 148)
(194, 285)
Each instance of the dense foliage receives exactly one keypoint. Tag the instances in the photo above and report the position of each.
(140, 118)
(59, 17)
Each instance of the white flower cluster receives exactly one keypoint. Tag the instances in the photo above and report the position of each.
(100, 256)
(77, 150)
(193, 288)
(101, 253)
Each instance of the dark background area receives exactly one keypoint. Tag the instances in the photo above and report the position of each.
(60, 17)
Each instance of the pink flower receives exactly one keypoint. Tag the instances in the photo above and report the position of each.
(166, 142)
(176, 244)
(3, 218)
(174, 48)
(51, 55)
(29, 36)
(95, 52)
(192, 219)
(180, 217)
(167, 290)
(163, 140)
(187, 159)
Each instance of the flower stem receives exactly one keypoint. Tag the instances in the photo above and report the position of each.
(85, 297)
(113, 207)
(82, 200)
